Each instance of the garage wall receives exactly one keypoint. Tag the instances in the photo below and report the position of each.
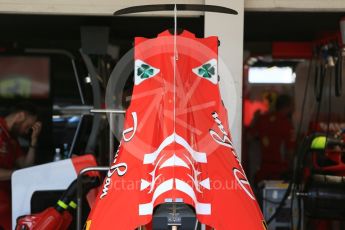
(230, 56)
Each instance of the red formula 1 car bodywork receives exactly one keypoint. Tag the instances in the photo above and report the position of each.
(176, 144)
(53, 217)
(49, 219)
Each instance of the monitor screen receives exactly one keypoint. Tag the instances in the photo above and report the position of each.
(24, 76)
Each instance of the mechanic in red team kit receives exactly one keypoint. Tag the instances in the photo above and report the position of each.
(276, 134)
(21, 121)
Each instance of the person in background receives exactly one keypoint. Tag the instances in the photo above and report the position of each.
(275, 133)
(20, 122)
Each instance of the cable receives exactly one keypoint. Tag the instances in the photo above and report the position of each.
(296, 152)
(319, 93)
(329, 106)
(339, 74)
(299, 130)
(299, 155)
(297, 186)
(302, 149)
(320, 73)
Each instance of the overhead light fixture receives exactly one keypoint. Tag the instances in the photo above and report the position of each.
(271, 75)
(87, 79)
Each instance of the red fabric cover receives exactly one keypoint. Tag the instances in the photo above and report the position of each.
(178, 150)
(49, 219)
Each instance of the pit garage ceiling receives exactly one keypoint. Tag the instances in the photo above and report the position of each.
(107, 7)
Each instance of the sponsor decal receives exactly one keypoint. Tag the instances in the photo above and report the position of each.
(208, 71)
(243, 182)
(131, 129)
(143, 71)
(223, 138)
(119, 168)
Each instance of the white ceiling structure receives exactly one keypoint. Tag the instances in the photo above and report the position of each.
(107, 7)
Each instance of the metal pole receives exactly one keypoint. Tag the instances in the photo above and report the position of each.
(80, 192)
(111, 138)
(97, 103)
(78, 82)
(116, 111)
(75, 136)
(111, 127)
(196, 224)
